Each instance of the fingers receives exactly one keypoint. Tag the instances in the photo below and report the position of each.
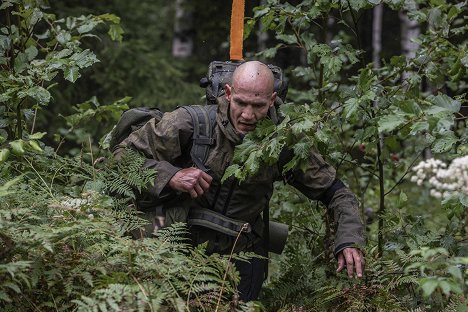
(198, 191)
(358, 263)
(205, 182)
(341, 262)
(192, 181)
(354, 262)
(349, 262)
(207, 177)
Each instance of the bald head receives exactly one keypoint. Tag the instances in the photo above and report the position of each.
(250, 96)
(254, 74)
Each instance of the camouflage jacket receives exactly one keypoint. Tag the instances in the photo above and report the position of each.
(167, 145)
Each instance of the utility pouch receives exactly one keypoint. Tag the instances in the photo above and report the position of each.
(278, 234)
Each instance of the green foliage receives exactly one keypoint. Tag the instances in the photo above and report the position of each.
(66, 244)
(37, 47)
(436, 263)
(373, 123)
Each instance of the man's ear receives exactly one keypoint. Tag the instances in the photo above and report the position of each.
(228, 91)
(273, 98)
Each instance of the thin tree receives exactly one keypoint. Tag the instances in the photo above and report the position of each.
(182, 43)
(376, 49)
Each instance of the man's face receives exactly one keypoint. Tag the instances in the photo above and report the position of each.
(248, 105)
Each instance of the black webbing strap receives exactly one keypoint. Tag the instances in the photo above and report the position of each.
(216, 221)
(266, 232)
(215, 81)
(204, 121)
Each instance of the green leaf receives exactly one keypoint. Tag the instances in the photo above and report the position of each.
(21, 62)
(302, 149)
(87, 26)
(110, 18)
(428, 285)
(274, 148)
(435, 18)
(464, 61)
(366, 78)
(6, 4)
(115, 32)
(350, 107)
(332, 64)
(71, 73)
(4, 122)
(358, 4)
(17, 147)
(261, 12)
(398, 61)
(419, 126)
(230, 171)
(37, 135)
(323, 135)
(84, 58)
(445, 142)
(445, 286)
(269, 53)
(410, 107)
(31, 52)
(390, 122)
(402, 199)
(391, 142)
(248, 27)
(288, 39)
(36, 16)
(35, 146)
(4, 153)
(456, 272)
(464, 200)
(302, 126)
(12, 286)
(41, 95)
(63, 37)
(443, 103)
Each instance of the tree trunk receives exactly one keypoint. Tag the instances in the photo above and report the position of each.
(376, 49)
(410, 30)
(262, 34)
(377, 35)
(182, 44)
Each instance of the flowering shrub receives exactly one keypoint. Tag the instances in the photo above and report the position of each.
(447, 181)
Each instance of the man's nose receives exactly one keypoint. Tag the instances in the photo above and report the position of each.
(247, 113)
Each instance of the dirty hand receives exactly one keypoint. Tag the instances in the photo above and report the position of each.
(192, 181)
(354, 260)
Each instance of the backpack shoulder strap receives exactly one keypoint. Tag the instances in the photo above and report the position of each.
(204, 122)
(130, 121)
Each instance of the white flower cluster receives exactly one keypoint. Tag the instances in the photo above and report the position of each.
(446, 182)
(83, 204)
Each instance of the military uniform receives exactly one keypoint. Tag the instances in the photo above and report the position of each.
(167, 144)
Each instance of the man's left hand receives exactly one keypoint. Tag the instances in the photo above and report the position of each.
(354, 261)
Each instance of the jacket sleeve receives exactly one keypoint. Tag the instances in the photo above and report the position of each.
(162, 143)
(318, 182)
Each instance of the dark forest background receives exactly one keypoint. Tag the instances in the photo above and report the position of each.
(377, 87)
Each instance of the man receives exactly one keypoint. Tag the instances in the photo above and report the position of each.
(167, 147)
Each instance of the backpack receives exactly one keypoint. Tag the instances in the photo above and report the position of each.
(203, 118)
(220, 73)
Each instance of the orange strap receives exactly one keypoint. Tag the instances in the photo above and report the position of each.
(237, 30)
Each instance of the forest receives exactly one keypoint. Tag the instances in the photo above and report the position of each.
(378, 87)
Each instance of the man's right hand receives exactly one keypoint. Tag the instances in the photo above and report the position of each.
(192, 181)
